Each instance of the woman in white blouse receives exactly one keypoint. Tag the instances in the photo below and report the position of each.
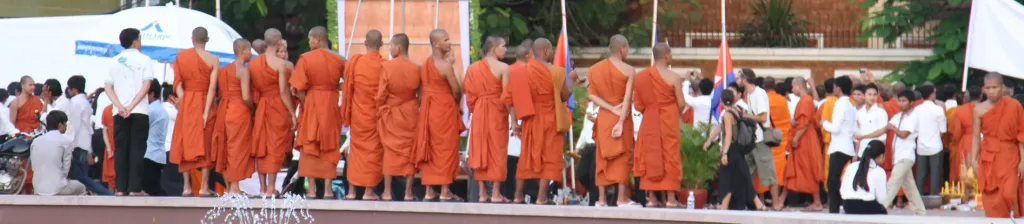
(863, 186)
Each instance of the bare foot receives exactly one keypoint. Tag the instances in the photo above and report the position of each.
(816, 207)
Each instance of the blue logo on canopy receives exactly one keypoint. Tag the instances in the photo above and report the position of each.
(155, 24)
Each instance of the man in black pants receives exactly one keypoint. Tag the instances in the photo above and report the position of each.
(843, 126)
(127, 86)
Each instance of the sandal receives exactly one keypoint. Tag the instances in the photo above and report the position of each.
(631, 204)
(454, 198)
(209, 195)
(435, 199)
(652, 204)
(411, 199)
(502, 201)
(599, 204)
(375, 198)
(484, 200)
(391, 197)
(673, 205)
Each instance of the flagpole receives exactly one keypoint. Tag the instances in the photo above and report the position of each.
(391, 28)
(572, 148)
(967, 49)
(654, 30)
(352, 34)
(721, 50)
(437, 11)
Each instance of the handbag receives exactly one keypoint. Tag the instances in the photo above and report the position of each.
(772, 136)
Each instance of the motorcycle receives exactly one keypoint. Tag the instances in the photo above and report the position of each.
(14, 163)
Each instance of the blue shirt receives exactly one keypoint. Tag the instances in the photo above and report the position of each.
(157, 133)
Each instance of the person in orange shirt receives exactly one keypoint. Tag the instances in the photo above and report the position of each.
(537, 98)
(611, 88)
(436, 146)
(195, 80)
(803, 171)
(274, 120)
(825, 114)
(109, 175)
(398, 110)
(232, 138)
(489, 119)
(958, 129)
(316, 79)
(659, 96)
(26, 107)
(359, 113)
(1001, 120)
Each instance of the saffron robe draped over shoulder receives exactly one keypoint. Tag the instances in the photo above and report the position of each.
(531, 91)
(318, 72)
(359, 113)
(107, 119)
(190, 144)
(232, 137)
(892, 107)
(271, 127)
(1003, 128)
(779, 108)
(398, 112)
(825, 114)
(960, 128)
(436, 146)
(804, 168)
(657, 145)
(613, 154)
(488, 132)
(27, 119)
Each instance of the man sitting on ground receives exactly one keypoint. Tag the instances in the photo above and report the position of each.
(51, 159)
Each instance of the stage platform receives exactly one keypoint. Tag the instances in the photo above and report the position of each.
(98, 209)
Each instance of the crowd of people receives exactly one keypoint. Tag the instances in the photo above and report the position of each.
(785, 137)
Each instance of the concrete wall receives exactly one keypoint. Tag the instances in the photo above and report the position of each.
(417, 21)
(37, 8)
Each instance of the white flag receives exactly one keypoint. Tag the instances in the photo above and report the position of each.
(996, 39)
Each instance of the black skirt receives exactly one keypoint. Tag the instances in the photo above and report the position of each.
(735, 179)
(862, 207)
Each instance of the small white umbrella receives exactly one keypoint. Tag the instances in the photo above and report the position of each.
(165, 30)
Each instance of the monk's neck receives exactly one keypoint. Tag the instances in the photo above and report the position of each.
(201, 47)
(616, 57)
(661, 65)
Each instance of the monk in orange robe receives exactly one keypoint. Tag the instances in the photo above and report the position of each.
(611, 88)
(26, 107)
(232, 138)
(436, 147)
(996, 157)
(195, 80)
(107, 119)
(961, 122)
(804, 169)
(489, 123)
(275, 119)
(779, 108)
(891, 108)
(398, 110)
(537, 97)
(316, 79)
(825, 114)
(359, 113)
(659, 96)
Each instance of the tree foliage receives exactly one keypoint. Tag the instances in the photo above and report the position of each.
(774, 24)
(946, 19)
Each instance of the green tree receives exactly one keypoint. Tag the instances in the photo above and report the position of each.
(251, 17)
(947, 20)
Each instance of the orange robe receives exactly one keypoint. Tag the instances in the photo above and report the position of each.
(657, 145)
(613, 154)
(318, 73)
(190, 147)
(960, 128)
(892, 107)
(107, 119)
(27, 119)
(804, 169)
(232, 137)
(271, 128)
(779, 109)
(825, 114)
(532, 89)
(488, 132)
(398, 111)
(997, 178)
(436, 146)
(688, 116)
(359, 113)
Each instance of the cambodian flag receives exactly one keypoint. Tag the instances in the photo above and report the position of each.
(723, 76)
(562, 58)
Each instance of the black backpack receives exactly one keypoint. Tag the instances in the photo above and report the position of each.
(744, 133)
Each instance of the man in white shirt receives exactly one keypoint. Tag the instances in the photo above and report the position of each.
(80, 132)
(930, 126)
(841, 149)
(6, 127)
(53, 97)
(129, 81)
(871, 118)
(760, 159)
(156, 154)
(51, 156)
(904, 126)
(700, 101)
(171, 182)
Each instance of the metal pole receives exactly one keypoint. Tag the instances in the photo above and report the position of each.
(391, 28)
(654, 30)
(353, 33)
(572, 147)
(437, 11)
(967, 49)
(218, 9)
(403, 16)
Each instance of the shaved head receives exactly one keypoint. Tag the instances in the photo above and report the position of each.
(241, 45)
(318, 38)
(768, 84)
(491, 43)
(661, 50)
(992, 76)
(617, 41)
(400, 41)
(200, 35)
(523, 50)
(25, 79)
(437, 36)
(898, 87)
(541, 47)
(800, 85)
(373, 40)
(259, 46)
(272, 37)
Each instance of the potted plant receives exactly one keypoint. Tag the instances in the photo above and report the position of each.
(699, 166)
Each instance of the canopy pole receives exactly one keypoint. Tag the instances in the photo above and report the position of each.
(437, 11)
(967, 49)
(218, 9)
(391, 28)
(353, 33)
(654, 30)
